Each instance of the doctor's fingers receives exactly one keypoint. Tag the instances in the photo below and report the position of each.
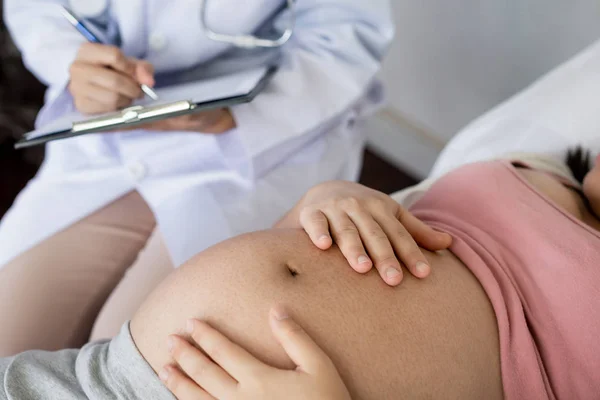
(105, 55)
(144, 72)
(106, 78)
(114, 81)
(92, 99)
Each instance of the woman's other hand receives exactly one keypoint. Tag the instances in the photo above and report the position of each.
(230, 372)
(103, 79)
(369, 227)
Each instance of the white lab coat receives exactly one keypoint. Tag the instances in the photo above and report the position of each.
(304, 129)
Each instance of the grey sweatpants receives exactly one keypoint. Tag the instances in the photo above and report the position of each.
(102, 370)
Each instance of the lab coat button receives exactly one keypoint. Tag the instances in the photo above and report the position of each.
(157, 41)
(137, 170)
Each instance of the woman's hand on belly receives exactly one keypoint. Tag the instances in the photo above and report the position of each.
(369, 227)
(233, 373)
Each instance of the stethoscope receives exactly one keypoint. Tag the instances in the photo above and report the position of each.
(250, 41)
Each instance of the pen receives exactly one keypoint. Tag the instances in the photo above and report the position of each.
(81, 28)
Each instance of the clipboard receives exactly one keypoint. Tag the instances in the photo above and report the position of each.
(181, 99)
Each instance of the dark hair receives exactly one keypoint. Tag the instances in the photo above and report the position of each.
(579, 162)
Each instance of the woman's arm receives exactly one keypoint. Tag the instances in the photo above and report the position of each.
(326, 67)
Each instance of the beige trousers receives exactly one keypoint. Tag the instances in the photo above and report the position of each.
(84, 282)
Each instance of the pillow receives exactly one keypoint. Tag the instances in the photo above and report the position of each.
(559, 111)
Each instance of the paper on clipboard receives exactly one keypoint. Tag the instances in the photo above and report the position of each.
(228, 86)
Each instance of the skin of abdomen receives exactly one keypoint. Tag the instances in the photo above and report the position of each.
(435, 338)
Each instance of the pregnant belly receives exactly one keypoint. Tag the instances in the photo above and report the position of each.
(435, 338)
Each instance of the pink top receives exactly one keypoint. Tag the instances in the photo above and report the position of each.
(539, 266)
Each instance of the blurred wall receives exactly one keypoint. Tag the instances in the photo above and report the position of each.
(454, 60)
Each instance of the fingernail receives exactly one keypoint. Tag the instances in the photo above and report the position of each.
(392, 273)
(422, 268)
(189, 326)
(170, 343)
(363, 259)
(280, 313)
(164, 375)
(323, 238)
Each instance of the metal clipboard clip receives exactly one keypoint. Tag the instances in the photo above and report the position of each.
(132, 115)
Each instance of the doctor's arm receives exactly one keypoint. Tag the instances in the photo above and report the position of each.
(100, 77)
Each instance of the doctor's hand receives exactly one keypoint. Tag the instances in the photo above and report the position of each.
(234, 374)
(369, 227)
(103, 79)
(212, 121)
